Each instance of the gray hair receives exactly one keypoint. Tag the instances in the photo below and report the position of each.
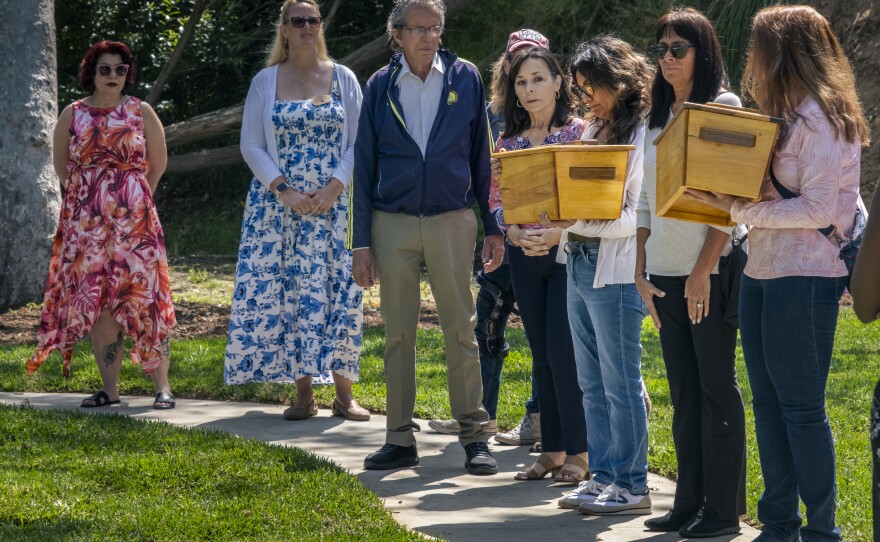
(397, 17)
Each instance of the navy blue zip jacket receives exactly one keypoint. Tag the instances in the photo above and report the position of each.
(390, 173)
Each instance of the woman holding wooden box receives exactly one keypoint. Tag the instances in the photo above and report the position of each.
(676, 273)
(538, 112)
(604, 308)
(789, 296)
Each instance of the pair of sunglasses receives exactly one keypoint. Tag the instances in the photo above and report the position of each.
(583, 92)
(301, 22)
(120, 69)
(679, 50)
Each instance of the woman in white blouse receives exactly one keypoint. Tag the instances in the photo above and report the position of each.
(296, 311)
(605, 311)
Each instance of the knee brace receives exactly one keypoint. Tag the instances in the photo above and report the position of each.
(493, 308)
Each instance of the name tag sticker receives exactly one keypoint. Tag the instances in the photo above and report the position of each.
(321, 100)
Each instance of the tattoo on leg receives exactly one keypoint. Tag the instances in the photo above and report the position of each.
(112, 350)
(165, 347)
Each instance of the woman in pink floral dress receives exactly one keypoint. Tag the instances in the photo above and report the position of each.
(108, 276)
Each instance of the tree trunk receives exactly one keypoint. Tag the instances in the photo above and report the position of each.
(204, 159)
(29, 191)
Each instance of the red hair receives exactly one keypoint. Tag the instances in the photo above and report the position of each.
(88, 66)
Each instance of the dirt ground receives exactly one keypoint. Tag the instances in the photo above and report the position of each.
(857, 25)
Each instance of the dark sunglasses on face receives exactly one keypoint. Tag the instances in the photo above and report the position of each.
(300, 22)
(678, 50)
(583, 92)
(120, 69)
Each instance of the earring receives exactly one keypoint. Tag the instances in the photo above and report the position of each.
(557, 94)
(519, 104)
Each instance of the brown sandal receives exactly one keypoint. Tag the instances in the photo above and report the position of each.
(579, 471)
(531, 473)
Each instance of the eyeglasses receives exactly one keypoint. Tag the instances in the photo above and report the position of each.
(583, 92)
(679, 50)
(300, 22)
(419, 31)
(120, 69)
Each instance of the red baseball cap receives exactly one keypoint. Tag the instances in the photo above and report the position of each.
(526, 38)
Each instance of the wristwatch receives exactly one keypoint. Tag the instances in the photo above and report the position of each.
(282, 186)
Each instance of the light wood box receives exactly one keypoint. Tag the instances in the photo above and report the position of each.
(712, 147)
(569, 182)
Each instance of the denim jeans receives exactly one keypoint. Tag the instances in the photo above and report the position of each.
(606, 325)
(787, 326)
(490, 365)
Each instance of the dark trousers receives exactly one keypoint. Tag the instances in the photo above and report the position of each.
(494, 305)
(540, 286)
(708, 421)
(875, 449)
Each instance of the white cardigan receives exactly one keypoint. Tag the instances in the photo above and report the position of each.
(616, 261)
(258, 145)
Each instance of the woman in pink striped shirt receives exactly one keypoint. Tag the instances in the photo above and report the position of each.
(789, 297)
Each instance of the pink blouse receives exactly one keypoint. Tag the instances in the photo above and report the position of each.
(823, 169)
(567, 134)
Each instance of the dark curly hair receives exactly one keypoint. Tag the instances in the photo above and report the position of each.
(516, 118)
(613, 64)
(710, 76)
(88, 66)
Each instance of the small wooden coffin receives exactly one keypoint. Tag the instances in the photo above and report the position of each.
(568, 182)
(716, 148)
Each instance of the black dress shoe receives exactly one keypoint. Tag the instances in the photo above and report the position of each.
(672, 521)
(479, 460)
(705, 524)
(392, 456)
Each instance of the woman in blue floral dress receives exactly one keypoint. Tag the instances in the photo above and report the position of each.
(296, 310)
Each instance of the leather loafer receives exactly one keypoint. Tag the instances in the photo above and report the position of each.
(672, 521)
(294, 412)
(353, 411)
(705, 524)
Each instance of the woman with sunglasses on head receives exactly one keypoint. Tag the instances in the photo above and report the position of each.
(108, 276)
(796, 70)
(296, 310)
(604, 308)
(676, 274)
(538, 111)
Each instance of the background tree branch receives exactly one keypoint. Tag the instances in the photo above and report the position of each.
(188, 30)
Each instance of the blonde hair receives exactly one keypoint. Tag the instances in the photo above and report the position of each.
(793, 49)
(278, 49)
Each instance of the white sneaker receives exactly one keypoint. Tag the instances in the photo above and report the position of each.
(617, 501)
(527, 432)
(586, 492)
(447, 427)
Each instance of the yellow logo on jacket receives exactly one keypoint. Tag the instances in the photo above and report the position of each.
(453, 97)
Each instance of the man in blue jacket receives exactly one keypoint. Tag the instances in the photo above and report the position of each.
(422, 160)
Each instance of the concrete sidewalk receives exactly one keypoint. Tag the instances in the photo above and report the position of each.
(437, 498)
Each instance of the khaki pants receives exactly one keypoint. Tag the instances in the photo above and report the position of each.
(446, 243)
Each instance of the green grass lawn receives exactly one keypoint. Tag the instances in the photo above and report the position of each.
(197, 371)
(80, 477)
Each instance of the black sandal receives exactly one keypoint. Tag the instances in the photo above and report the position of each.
(164, 401)
(98, 399)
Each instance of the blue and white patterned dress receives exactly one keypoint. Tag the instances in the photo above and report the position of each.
(296, 310)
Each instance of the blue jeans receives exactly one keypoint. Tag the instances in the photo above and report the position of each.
(787, 326)
(606, 325)
(497, 298)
